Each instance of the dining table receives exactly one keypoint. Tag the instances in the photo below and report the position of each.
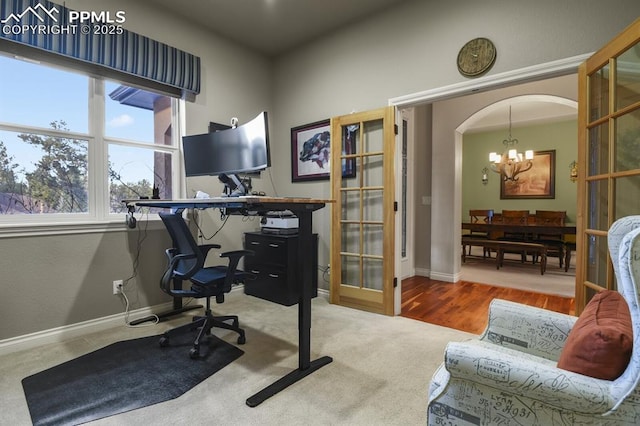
(530, 232)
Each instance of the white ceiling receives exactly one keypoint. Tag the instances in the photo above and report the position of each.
(272, 27)
(523, 113)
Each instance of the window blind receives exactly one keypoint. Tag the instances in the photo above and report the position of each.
(98, 45)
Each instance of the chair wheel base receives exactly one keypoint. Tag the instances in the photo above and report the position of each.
(194, 353)
(242, 340)
(164, 342)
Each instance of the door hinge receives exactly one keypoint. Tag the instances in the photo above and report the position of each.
(395, 282)
(395, 206)
(395, 129)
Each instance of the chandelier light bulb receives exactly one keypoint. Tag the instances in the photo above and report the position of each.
(511, 163)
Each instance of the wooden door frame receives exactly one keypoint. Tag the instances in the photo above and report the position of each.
(627, 37)
(450, 232)
(363, 298)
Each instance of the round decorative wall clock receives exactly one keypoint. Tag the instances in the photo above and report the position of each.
(476, 57)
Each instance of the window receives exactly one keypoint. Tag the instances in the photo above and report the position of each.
(73, 146)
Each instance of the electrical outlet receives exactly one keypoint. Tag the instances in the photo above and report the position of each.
(117, 287)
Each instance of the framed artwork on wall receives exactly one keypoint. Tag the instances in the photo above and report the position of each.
(311, 153)
(537, 182)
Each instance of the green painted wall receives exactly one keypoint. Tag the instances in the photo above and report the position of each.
(561, 136)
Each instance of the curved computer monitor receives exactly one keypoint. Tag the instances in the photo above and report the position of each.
(242, 149)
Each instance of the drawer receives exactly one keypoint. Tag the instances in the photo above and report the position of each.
(268, 250)
(275, 266)
(264, 272)
(271, 285)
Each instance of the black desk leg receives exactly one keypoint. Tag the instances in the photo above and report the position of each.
(305, 365)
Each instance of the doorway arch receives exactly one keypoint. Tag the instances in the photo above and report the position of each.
(500, 105)
(449, 107)
(553, 121)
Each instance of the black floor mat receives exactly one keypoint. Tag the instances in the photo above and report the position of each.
(122, 377)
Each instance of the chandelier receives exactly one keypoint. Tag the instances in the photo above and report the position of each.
(511, 163)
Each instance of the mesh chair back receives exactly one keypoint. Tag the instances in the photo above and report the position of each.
(184, 242)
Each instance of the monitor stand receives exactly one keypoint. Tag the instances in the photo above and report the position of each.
(234, 186)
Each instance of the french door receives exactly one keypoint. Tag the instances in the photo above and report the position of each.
(609, 155)
(362, 219)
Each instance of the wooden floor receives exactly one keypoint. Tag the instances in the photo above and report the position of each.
(464, 305)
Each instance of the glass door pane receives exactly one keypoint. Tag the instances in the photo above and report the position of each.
(364, 184)
(609, 114)
(627, 85)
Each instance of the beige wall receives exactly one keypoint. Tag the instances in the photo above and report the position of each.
(408, 49)
(422, 189)
(446, 170)
(57, 280)
(562, 137)
(412, 48)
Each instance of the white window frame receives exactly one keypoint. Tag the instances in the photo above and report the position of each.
(98, 218)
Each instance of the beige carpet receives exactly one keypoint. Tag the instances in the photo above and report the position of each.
(380, 374)
(515, 274)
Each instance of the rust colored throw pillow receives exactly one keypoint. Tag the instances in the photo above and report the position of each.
(599, 344)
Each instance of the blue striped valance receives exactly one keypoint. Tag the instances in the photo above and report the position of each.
(99, 40)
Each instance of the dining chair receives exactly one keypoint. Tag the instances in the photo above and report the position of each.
(478, 216)
(569, 247)
(554, 243)
(516, 217)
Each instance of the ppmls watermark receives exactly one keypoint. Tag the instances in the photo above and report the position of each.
(77, 22)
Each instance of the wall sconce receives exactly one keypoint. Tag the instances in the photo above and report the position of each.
(485, 177)
(573, 171)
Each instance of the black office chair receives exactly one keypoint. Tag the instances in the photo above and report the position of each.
(186, 262)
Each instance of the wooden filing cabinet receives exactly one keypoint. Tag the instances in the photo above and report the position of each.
(275, 266)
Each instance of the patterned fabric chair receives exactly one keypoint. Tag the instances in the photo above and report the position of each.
(509, 376)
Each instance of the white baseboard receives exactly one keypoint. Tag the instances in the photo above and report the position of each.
(68, 332)
(421, 272)
(449, 278)
(73, 331)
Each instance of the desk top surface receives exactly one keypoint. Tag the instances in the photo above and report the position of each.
(248, 202)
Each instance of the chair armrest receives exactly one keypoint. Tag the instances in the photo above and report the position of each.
(173, 262)
(204, 248)
(528, 376)
(528, 329)
(237, 253)
(234, 258)
(170, 272)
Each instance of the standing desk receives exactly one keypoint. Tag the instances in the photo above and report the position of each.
(303, 208)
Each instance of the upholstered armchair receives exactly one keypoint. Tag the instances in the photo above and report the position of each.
(536, 367)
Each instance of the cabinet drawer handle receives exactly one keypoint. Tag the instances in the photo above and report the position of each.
(274, 275)
(255, 271)
(274, 245)
(255, 243)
